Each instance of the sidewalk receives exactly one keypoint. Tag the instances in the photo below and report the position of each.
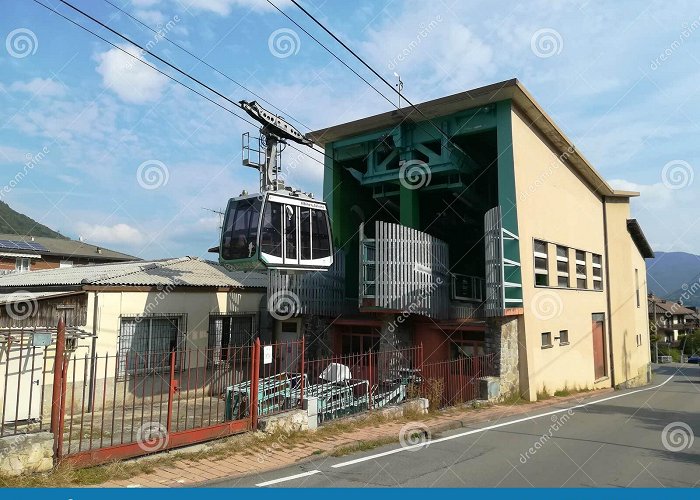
(194, 469)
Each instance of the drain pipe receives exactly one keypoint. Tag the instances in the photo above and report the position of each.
(93, 360)
(608, 295)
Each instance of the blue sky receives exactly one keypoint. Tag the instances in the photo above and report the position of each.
(129, 160)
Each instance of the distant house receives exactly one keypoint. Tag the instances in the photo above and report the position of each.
(671, 319)
(33, 253)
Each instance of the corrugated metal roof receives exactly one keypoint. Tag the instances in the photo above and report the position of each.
(22, 296)
(183, 271)
(68, 248)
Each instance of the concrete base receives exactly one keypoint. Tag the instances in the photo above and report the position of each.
(642, 378)
(490, 389)
(287, 422)
(26, 453)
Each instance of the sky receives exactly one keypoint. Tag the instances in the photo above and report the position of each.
(97, 145)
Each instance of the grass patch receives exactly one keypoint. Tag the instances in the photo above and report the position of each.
(341, 451)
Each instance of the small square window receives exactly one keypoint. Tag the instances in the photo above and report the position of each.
(546, 339)
(540, 247)
(597, 284)
(563, 337)
(563, 281)
(541, 280)
(581, 283)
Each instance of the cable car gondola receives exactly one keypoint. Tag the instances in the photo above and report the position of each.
(279, 229)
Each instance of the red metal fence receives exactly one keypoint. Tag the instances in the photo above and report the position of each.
(449, 383)
(115, 406)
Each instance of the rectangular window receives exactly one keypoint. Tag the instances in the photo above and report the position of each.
(241, 229)
(305, 232)
(230, 336)
(271, 230)
(562, 267)
(546, 339)
(597, 268)
(22, 264)
(145, 343)
(541, 264)
(563, 337)
(581, 279)
(320, 238)
(290, 231)
(360, 340)
(636, 284)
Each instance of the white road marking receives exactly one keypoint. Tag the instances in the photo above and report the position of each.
(289, 478)
(495, 426)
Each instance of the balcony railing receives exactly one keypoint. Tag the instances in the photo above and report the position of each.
(403, 269)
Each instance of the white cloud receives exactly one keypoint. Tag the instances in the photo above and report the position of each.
(151, 17)
(44, 87)
(122, 234)
(224, 7)
(8, 154)
(132, 81)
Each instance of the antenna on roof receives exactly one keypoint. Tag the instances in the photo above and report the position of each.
(221, 215)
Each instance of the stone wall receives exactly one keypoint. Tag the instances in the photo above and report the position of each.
(502, 339)
(26, 453)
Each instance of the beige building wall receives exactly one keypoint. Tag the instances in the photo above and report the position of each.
(556, 206)
(628, 300)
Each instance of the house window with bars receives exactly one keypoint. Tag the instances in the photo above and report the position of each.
(597, 268)
(581, 276)
(227, 333)
(146, 342)
(562, 267)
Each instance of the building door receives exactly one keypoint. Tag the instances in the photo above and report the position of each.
(23, 388)
(598, 329)
(289, 335)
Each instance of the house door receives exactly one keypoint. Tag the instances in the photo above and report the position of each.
(290, 351)
(23, 389)
(599, 345)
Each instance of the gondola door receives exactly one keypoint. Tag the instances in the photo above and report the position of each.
(290, 224)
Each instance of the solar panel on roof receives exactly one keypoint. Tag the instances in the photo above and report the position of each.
(21, 245)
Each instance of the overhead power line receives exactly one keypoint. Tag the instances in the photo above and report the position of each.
(159, 70)
(389, 84)
(205, 63)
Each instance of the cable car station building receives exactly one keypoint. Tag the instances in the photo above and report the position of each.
(480, 230)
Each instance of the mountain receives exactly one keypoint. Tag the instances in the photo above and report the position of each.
(13, 222)
(668, 272)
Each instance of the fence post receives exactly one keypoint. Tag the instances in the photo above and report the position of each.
(254, 383)
(58, 389)
(369, 376)
(172, 387)
(301, 391)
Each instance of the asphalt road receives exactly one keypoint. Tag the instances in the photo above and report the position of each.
(636, 438)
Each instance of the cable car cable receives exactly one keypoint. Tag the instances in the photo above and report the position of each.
(173, 78)
(205, 63)
(449, 139)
